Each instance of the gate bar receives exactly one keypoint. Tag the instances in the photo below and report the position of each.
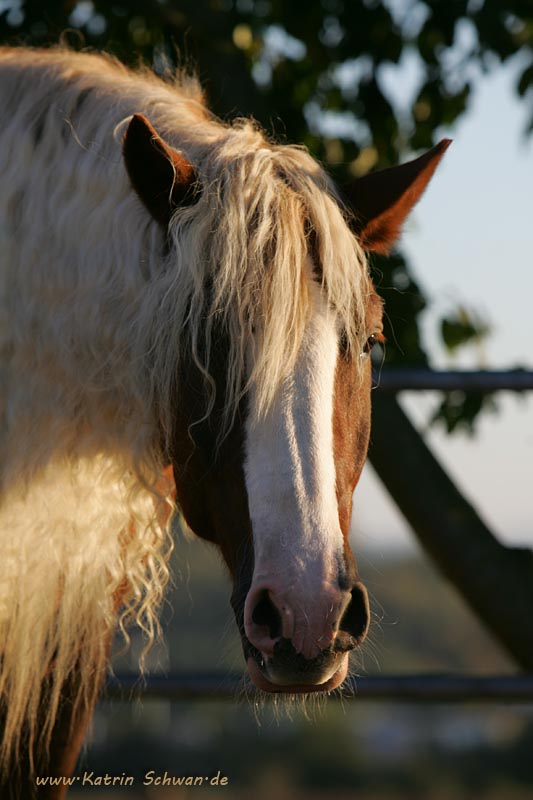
(397, 379)
(426, 688)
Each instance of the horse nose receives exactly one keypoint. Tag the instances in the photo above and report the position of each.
(355, 620)
(268, 618)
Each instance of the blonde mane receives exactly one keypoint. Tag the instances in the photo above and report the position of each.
(95, 309)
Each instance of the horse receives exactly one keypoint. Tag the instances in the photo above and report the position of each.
(186, 322)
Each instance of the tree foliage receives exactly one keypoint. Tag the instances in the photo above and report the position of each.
(360, 82)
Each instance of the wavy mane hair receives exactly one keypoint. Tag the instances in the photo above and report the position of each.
(96, 309)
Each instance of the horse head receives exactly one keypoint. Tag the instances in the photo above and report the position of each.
(274, 493)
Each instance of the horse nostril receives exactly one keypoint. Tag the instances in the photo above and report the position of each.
(355, 619)
(266, 614)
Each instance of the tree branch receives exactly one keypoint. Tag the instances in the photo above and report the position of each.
(494, 580)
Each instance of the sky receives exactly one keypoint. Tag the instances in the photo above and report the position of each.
(470, 241)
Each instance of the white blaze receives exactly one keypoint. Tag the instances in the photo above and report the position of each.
(290, 470)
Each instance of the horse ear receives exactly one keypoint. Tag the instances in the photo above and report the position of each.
(382, 200)
(162, 177)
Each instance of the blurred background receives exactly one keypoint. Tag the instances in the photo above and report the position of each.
(363, 84)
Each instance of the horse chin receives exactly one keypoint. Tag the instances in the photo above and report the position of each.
(267, 685)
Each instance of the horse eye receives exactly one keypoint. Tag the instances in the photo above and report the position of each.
(370, 342)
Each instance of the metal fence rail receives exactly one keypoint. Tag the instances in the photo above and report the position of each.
(396, 379)
(431, 688)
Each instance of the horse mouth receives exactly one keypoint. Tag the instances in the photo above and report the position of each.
(266, 677)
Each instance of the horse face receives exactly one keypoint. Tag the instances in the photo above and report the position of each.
(276, 494)
(276, 497)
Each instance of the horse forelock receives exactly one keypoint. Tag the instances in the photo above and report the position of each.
(243, 252)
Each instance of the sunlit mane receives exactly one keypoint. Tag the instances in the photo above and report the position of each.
(95, 307)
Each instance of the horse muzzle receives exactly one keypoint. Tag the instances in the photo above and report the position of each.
(291, 651)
